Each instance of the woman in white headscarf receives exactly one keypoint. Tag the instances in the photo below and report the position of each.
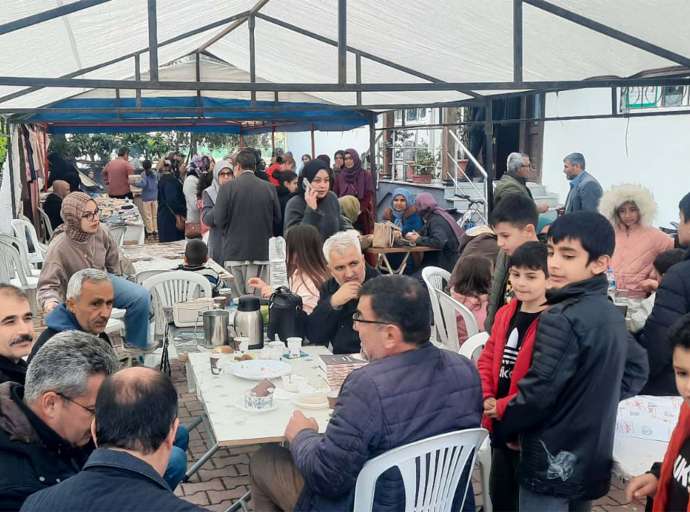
(222, 174)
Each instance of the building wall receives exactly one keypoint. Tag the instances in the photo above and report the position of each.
(326, 142)
(652, 151)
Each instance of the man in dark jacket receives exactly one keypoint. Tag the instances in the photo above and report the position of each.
(16, 333)
(566, 406)
(585, 191)
(45, 426)
(248, 212)
(331, 321)
(672, 301)
(410, 390)
(89, 303)
(134, 427)
(53, 203)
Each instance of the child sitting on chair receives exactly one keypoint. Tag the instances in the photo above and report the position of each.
(469, 285)
(195, 258)
(505, 359)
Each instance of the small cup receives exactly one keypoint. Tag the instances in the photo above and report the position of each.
(293, 383)
(332, 396)
(215, 364)
(294, 345)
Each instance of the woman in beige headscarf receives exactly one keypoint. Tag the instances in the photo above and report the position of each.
(80, 243)
(349, 208)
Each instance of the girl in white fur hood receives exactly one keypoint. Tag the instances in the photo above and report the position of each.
(631, 209)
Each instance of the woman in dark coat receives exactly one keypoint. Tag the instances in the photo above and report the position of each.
(171, 202)
(355, 181)
(286, 190)
(440, 231)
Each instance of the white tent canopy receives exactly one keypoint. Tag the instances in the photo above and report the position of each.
(455, 41)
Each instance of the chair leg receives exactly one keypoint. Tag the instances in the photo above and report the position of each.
(484, 460)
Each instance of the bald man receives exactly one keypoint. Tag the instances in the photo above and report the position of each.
(53, 202)
(134, 429)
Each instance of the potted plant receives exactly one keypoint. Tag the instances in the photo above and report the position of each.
(426, 165)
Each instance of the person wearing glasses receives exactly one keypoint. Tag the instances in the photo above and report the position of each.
(514, 180)
(134, 427)
(81, 242)
(410, 390)
(222, 174)
(45, 424)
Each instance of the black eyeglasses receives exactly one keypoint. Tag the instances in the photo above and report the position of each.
(90, 215)
(357, 317)
(90, 410)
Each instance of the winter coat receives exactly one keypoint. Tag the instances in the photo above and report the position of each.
(248, 212)
(497, 294)
(438, 234)
(672, 302)
(388, 403)
(489, 363)
(171, 202)
(11, 371)
(585, 193)
(411, 220)
(52, 206)
(215, 235)
(637, 247)
(58, 320)
(327, 325)
(565, 411)
(66, 256)
(482, 244)
(149, 186)
(32, 455)
(510, 185)
(189, 189)
(284, 196)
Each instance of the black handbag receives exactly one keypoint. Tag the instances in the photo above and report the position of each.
(286, 318)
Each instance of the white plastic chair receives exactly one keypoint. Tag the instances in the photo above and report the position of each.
(15, 242)
(12, 272)
(447, 326)
(170, 288)
(23, 227)
(142, 276)
(431, 470)
(47, 225)
(471, 349)
(435, 278)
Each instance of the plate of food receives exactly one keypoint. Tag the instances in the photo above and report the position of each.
(260, 369)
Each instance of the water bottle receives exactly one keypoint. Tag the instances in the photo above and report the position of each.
(277, 267)
(610, 276)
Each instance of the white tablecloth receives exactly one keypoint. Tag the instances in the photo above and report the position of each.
(222, 394)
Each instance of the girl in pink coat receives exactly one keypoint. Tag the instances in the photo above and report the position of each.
(631, 209)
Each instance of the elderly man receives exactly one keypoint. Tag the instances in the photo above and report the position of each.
(16, 333)
(45, 426)
(585, 191)
(88, 306)
(331, 320)
(410, 390)
(514, 180)
(53, 203)
(134, 429)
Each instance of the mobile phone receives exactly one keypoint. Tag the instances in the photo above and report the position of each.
(306, 186)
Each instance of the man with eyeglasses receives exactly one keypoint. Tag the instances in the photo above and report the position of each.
(410, 390)
(514, 180)
(45, 425)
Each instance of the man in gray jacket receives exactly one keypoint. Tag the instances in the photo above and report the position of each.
(247, 211)
(585, 191)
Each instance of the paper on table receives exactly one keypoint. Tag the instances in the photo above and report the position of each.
(648, 417)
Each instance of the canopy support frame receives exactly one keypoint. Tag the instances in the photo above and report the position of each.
(50, 14)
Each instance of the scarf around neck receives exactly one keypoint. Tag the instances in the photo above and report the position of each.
(426, 204)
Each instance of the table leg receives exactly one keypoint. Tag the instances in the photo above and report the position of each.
(387, 264)
(403, 264)
(202, 460)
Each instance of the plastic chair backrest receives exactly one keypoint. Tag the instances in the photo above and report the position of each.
(21, 229)
(142, 276)
(431, 470)
(16, 243)
(47, 225)
(169, 288)
(472, 348)
(11, 262)
(435, 278)
(448, 326)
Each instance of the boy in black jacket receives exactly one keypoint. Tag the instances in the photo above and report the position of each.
(565, 409)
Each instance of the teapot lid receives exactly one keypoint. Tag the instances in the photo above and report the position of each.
(248, 303)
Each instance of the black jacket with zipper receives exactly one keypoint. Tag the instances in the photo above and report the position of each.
(565, 411)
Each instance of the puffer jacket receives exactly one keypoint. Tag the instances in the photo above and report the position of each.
(637, 247)
(566, 406)
(672, 302)
(32, 456)
(509, 184)
(388, 403)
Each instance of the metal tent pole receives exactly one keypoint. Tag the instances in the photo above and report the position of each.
(153, 41)
(489, 163)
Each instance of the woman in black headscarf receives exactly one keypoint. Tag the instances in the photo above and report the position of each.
(314, 203)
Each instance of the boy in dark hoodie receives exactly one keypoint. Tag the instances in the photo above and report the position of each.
(583, 361)
(195, 258)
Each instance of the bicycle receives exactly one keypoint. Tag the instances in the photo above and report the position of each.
(474, 215)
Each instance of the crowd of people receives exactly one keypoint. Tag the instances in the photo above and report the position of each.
(77, 432)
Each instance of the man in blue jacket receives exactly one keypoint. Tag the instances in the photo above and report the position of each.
(585, 191)
(410, 390)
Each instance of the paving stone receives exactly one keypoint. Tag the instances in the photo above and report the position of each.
(211, 485)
